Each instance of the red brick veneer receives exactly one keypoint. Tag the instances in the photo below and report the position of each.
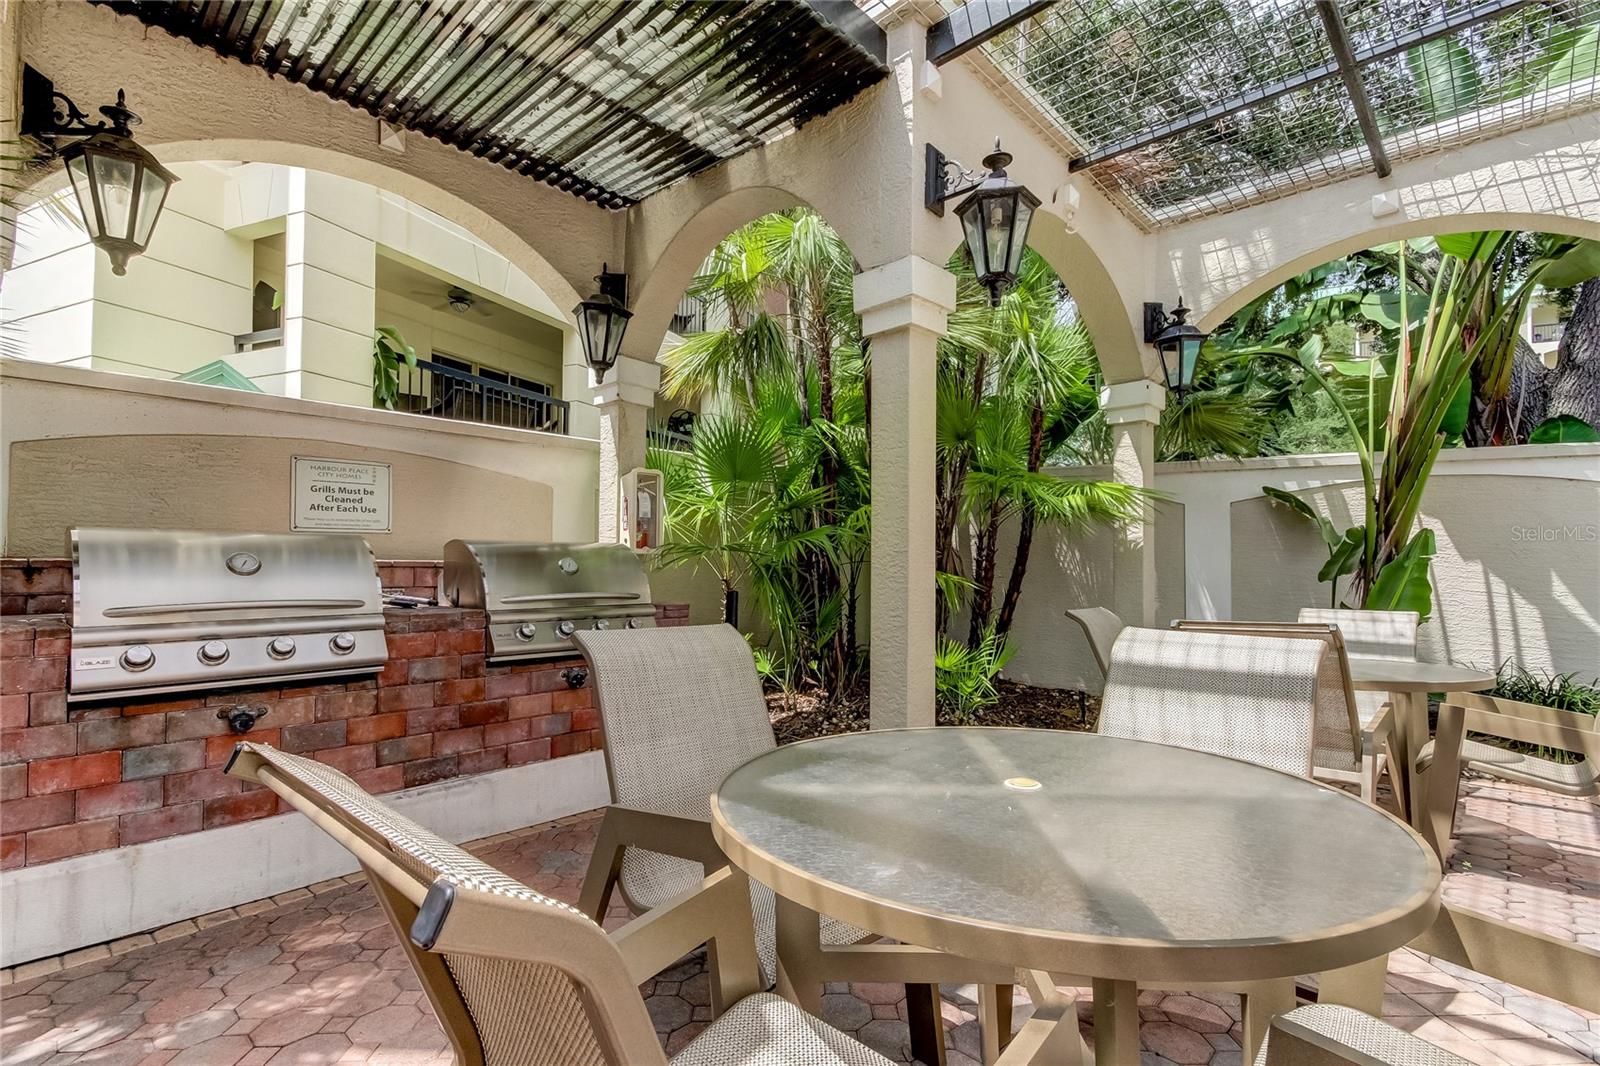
(113, 774)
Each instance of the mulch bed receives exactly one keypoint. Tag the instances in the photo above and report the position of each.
(804, 715)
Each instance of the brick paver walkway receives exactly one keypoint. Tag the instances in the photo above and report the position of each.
(322, 980)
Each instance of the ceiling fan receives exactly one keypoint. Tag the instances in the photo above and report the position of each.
(455, 299)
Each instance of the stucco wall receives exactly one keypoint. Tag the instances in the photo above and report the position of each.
(1074, 569)
(84, 447)
(1517, 575)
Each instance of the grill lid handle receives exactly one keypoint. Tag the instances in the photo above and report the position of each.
(567, 597)
(229, 605)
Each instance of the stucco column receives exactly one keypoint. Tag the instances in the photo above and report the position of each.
(624, 403)
(1132, 410)
(903, 307)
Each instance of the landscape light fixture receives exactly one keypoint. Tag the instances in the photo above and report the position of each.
(602, 320)
(994, 217)
(1177, 342)
(120, 186)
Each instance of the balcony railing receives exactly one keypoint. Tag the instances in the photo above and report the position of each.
(261, 338)
(1548, 332)
(690, 316)
(444, 392)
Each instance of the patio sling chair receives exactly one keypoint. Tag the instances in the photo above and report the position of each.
(1255, 698)
(1526, 723)
(1347, 755)
(1101, 627)
(519, 979)
(682, 709)
(1324, 1035)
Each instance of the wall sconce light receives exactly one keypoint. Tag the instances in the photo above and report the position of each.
(994, 218)
(1177, 342)
(120, 186)
(602, 320)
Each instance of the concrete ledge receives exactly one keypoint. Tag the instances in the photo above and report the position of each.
(61, 906)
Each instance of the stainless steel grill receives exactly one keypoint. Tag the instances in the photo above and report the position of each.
(538, 595)
(162, 611)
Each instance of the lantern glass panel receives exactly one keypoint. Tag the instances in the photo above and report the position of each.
(78, 170)
(115, 177)
(152, 197)
(1191, 356)
(972, 223)
(616, 326)
(1024, 215)
(998, 214)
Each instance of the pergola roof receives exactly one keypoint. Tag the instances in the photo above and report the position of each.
(1183, 108)
(609, 99)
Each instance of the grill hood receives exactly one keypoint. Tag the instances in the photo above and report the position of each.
(208, 607)
(537, 595)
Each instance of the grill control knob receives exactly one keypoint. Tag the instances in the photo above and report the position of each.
(343, 643)
(139, 657)
(526, 631)
(565, 628)
(568, 565)
(633, 623)
(602, 623)
(280, 647)
(212, 652)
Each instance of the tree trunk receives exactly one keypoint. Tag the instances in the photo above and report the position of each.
(1019, 562)
(984, 554)
(1574, 384)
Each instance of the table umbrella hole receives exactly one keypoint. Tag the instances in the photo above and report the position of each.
(1023, 784)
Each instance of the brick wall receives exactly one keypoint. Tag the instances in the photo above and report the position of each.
(35, 586)
(106, 775)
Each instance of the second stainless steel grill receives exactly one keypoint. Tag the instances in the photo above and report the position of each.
(161, 611)
(538, 595)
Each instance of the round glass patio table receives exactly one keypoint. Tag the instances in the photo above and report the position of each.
(1408, 683)
(1077, 853)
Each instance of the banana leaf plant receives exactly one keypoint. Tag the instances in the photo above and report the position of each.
(388, 349)
(1385, 558)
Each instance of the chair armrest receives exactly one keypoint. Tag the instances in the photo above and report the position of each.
(717, 914)
(634, 827)
(1325, 1035)
(1381, 726)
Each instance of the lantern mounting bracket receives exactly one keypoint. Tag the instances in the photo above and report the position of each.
(1155, 320)
(945, 178)
(48, 113)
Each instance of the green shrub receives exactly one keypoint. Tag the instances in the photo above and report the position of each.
(964, 678)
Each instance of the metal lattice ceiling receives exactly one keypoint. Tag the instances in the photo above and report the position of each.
(1184, 108)
(608, 99)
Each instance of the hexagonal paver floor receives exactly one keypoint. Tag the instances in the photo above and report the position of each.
(322, 980)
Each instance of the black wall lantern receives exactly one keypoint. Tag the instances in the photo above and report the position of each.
(602, 320)
(994, 218)
(120, 187)
(1177, 342)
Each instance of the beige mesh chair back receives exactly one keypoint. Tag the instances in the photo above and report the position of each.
(1247, 697)
(1337, 748)
(1371, 635)
(682, 709)
(519, 979)
(1101, 627)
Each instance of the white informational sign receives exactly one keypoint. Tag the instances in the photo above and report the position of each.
(341, 496)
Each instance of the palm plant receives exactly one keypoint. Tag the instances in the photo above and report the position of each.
(1386, 557)
(1015, 383)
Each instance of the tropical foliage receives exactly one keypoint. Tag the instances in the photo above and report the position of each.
(388, 350)
(773, 493)
(1447, 318)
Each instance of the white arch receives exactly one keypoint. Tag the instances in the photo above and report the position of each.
(1376, 235)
